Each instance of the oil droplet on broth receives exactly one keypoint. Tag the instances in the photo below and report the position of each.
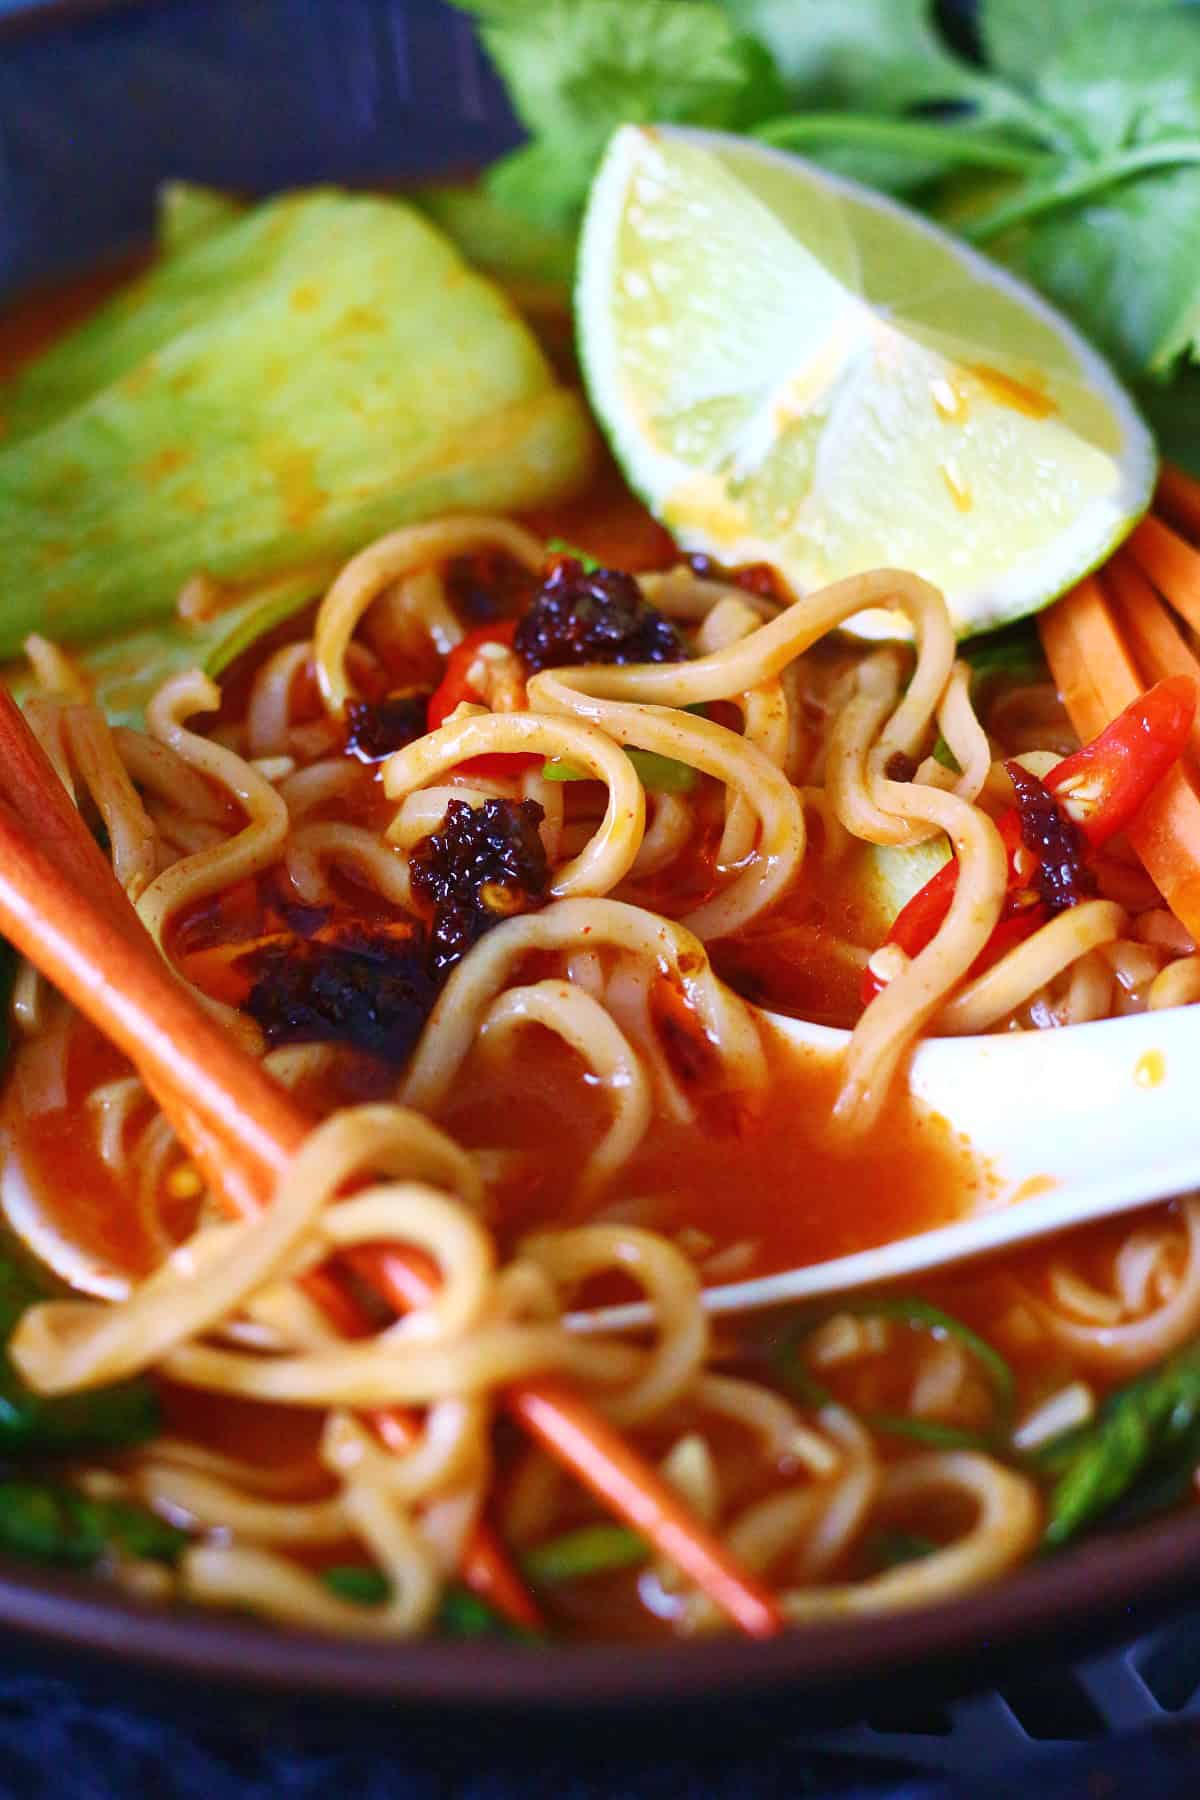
(1150, 1069)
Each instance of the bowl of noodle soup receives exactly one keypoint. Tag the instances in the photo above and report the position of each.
(492, 851)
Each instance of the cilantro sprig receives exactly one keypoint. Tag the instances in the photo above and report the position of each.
(1065, 142)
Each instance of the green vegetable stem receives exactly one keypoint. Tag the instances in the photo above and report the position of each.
(1139, 1453)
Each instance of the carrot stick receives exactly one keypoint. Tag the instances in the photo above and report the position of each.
(604, 1462)
(1171, 564)
(203, 1077)
(1147, 627)
(1098, 677)
(1179, 498)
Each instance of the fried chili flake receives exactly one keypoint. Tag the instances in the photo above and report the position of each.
(593, 616)
(900, 767)
(366, 987)
(485, 864)
(488, 586)
(376, 729)
(756, 578)
(1063, 877)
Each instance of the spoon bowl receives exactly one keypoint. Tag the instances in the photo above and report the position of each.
(1073, 1125)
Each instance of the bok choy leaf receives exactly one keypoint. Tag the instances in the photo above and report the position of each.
(124, 671)
(188, 212)
(320, 370)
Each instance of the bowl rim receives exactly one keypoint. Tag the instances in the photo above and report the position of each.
(1107, 1585)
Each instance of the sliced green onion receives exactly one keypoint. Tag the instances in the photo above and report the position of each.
(920, 1316)
(590, 1550)
(1136, 1456)
(559, 547)
(657, 774)
(49, 1522)
(352, 1581)
(461, 1613)
(892, 1549)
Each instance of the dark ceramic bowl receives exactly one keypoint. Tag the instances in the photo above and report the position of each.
(98, 102)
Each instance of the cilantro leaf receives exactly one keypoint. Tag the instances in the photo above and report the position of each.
(490, 237)
(1015, 33)
(576, 69)
(863, 64)
(1125, 268)
(1173, 414)
(1122, 259)
(1124, 75)
(874, 55)
(543, 183)
(1069, 149)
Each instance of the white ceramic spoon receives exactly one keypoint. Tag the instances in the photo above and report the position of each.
(1077, 1124)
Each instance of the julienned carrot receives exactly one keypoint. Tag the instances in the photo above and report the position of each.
(567, 1427)
(1098, 677)
(202, 1077)
(37, 794)
(1171, 564)
(1158, 646)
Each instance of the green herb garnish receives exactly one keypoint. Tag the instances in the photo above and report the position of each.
(557, 546)
(461, 1614)
(1070, 148)
(919, 1315)
(114, 1417)
(892, 1549)
(357, 1582)
(1139, 1452)
(51, 1523)
(576, 69)
(589, 1550)
(657, 774)
(1015, 652)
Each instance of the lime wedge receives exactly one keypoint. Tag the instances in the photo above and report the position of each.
(792, 368)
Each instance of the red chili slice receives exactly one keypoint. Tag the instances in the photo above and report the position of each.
(455, 687)
(1101, 787)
